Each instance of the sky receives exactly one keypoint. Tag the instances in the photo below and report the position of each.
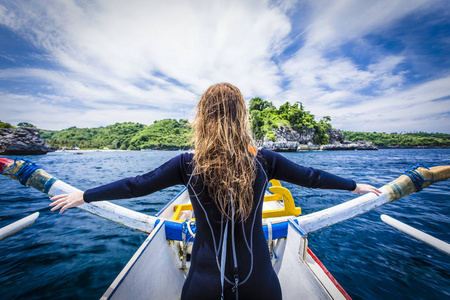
(379, 66)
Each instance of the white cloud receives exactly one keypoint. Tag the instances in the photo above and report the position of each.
(359, 97)
(47, 112)
(317, 79)
(159, 53)
(110, 57)
(412, 109)
(336, 22)
(332, 24)
(195, 43)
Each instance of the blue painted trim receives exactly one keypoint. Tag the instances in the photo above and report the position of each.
(295, 225)
(279, 230)
(174, 230)
(170, 202)
(49, 184)
(154, 233)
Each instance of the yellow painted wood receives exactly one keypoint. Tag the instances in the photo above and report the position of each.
(274, 197)
(279, 194)
(275, 182)
(179, 209)
(275, 213)
(288, 202)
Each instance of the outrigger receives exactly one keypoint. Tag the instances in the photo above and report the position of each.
(172, 231)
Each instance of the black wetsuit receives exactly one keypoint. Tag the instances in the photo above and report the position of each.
(254, 274)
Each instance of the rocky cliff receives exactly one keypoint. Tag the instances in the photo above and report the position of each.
(22, 141)
(288, 139)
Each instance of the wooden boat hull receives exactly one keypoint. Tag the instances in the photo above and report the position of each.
(151, 273)
(302, 276)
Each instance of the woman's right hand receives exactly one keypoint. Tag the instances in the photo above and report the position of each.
(65, 201)
(362, 188)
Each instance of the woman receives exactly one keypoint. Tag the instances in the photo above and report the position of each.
(226, 183)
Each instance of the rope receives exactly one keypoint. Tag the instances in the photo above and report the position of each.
(191, 232)
(416, 178)
(189, 229)
(25, 171)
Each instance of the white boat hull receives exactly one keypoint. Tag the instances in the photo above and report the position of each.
(151, 273)
(301, 276)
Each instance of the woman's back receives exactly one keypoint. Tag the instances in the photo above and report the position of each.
(247, 270)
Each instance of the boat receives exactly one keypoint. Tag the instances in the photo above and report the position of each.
(168, 248)
(172, 230)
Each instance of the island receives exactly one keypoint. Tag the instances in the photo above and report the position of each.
(288, 128)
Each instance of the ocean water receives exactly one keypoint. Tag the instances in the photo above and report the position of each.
(76, 255)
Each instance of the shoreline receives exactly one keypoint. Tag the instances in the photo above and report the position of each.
(413, 147)
(301, 150)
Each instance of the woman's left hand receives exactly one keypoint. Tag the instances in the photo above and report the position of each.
(362, 188)
(66, 201)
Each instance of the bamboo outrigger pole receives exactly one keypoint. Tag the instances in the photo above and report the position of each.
(30, 174)
(412, 181)
(17, 226)
(417, 234)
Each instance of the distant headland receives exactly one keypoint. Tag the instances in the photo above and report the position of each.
(287, 128)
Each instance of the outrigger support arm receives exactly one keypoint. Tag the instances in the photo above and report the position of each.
(31, 175)
(400, 187)
(417, 234)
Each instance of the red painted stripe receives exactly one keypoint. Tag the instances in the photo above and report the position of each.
(5, 163)
(338, 286)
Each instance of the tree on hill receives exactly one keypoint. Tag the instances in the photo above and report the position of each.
(5, 125)
(25, 124)
(412, 139)
(167, 133)
(163, 134)
(266, 118)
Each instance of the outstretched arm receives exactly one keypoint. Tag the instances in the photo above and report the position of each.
(166, 175)
(282, 168)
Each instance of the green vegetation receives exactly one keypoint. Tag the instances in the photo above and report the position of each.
(265, 118)
(5, 125)
(414, 139)
(176, 134)
(164, 134)
(25, 124)
(21, 124)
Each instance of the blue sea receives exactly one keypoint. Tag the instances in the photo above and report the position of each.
(76, 255)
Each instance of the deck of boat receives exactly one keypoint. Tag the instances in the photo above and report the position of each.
(154, 271)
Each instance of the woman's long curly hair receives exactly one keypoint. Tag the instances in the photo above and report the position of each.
(222, 138)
